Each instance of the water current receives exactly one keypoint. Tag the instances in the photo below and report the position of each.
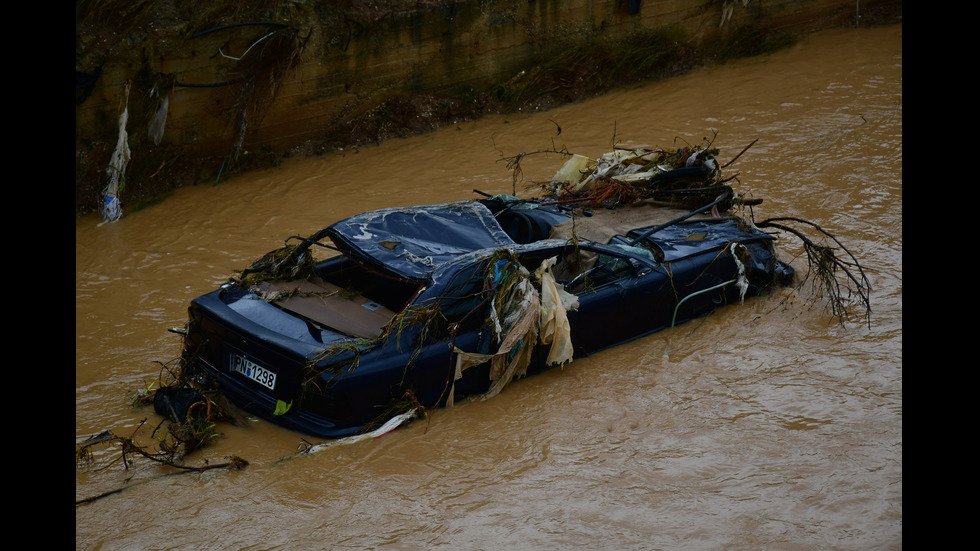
(766, 425)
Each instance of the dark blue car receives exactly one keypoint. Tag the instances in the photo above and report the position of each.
(427, 305)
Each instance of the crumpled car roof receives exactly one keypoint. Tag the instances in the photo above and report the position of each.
(411, 242)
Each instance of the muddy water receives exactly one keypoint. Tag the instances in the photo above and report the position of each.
(764, 426)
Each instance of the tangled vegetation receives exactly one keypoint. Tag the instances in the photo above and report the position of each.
(836, 270)
(189, 421)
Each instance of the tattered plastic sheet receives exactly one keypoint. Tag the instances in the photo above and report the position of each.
(390, 425)
(111, 208)
(554, 328)
(529, 317)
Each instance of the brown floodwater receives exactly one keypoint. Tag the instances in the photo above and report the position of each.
(767, 425)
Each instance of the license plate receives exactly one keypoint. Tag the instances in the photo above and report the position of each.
(253, 371)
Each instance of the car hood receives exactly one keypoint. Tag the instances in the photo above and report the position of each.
(412, 242)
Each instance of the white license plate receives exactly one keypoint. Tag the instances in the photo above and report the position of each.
(253, 371)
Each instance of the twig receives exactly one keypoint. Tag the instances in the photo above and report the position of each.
(740, 153)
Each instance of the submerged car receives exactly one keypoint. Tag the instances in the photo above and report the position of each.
(430, 304)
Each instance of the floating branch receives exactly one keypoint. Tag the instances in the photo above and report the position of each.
(825, 262)
(735, 158)
(191, 418)
(190, 414)
(168, 454)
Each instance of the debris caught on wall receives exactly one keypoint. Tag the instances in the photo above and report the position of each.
(727, 9)
(111, 207)
(159, 122)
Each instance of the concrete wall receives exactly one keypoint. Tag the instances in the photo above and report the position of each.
(349, 63)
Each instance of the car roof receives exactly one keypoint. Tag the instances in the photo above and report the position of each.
(412, 242)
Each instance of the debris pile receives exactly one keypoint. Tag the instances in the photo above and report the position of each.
(683, 178)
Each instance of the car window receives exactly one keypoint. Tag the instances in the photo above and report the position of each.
(583, 268)
(464, 296)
